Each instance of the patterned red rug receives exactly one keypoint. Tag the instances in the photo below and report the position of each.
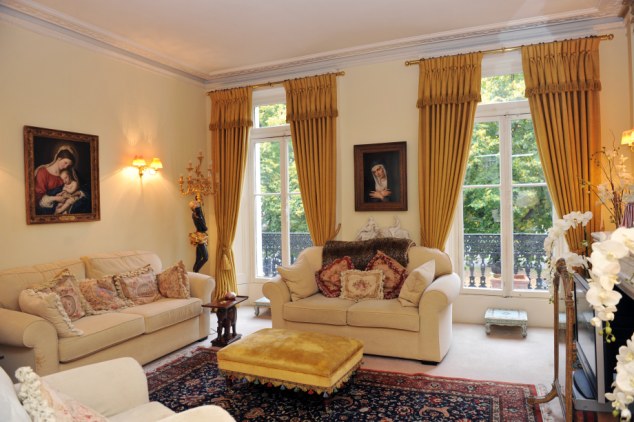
(370, 396)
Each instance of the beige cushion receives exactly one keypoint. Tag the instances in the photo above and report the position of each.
(103, 264)
(138, 285)
(13, 281)
(361, 285)
(65, 286)
(384, 313)
(50, 269)
(300, 279)
(100, 332)
(166, 312)
(416, 283)
(173, 282)
(317, 309)
(48, 305)
(418, 255)
(152, 411)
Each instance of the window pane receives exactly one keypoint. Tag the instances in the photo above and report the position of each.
(268, 167)
(269, 235)
(299, 234)
(293, 181)
(482, 247)
(483, 167)
(527, 167)
(271, 115)
(532, 216)
(503, 88)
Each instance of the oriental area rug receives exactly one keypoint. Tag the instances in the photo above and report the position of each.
(371, 395)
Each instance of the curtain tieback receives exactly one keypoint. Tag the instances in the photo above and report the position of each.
(226, 262)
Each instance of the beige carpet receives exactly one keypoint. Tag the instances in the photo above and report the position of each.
(503, 355)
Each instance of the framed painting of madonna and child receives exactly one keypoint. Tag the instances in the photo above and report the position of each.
(62, 176)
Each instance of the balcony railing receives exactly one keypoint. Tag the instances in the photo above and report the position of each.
(272, 250)
(483, 262)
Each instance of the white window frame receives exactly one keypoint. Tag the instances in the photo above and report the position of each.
(259, 135)
(505, 113)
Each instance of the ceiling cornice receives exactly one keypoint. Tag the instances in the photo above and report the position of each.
(579, 23)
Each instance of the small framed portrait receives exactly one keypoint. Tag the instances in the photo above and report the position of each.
(62, 176)
(380, 177)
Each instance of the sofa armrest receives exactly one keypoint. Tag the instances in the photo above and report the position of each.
(277, 292)
(27, 340)
(441, 293)
(202, 413)
(109, 387)
(201, 286)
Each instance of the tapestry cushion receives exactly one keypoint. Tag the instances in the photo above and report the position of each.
(49, 306)
(299, 278)
(101, 295)
(361, 285)
(138, 285)
(394, 274)
(329, 276)
(173, 282)
(361, 252)
(64, 285)
(416, 283)
(43, 403)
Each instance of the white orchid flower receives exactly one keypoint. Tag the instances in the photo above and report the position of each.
(625, 236)
(611, 249)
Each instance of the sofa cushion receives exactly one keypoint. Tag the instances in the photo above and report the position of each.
(317, 309)
(300, 279)
(383, 314)
(99, 265)
(166, 312)
(49, 306)
(416, 283)
(329, 276)
(100, 332)
(13, 281)
(151, 411)
(359, 285)
(10, 407)
(138, 285)
(65, 286)
(173, 282)
(393, 272)
(418, 255)
(101, 295)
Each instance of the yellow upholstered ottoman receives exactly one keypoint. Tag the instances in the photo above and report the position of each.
(311, 362)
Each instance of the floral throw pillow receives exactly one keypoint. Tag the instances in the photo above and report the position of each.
(49, 306)
(361, 285)
(173, 282)
(101, 294)
(138, 285)
(329, 277)
(393, 272)
(65, 286)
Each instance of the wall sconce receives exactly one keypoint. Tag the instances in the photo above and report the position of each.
(139, 163)
(627, 138)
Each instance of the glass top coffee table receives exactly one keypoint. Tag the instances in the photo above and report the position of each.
(227, 316)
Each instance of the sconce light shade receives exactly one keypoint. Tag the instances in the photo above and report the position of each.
(140, 163)
(627, 138)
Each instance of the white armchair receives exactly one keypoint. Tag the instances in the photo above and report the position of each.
(117, 389)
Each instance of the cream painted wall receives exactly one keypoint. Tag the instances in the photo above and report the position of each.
(53, 83)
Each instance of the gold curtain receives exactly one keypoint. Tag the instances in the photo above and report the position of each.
(562, 86)
(230, 124)
(448, 93)
(311, 110)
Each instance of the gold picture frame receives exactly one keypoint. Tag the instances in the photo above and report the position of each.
(61, 175)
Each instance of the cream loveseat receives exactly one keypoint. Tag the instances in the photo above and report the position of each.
(144, 332)
(385, 326)
(115, 389)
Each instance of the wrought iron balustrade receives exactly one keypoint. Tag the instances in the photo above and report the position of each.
(482, 256)
(272, 250)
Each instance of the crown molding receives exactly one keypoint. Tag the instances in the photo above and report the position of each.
(541, 29)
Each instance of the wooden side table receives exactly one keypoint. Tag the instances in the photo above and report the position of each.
(227, 316)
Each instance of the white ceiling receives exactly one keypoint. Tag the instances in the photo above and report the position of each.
(218, 41)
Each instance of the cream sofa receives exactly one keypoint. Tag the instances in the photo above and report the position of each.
(144, 332)
(385, 327)
(117, 389)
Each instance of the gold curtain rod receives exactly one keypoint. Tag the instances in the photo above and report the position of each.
(607, 37)
(270, 84)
